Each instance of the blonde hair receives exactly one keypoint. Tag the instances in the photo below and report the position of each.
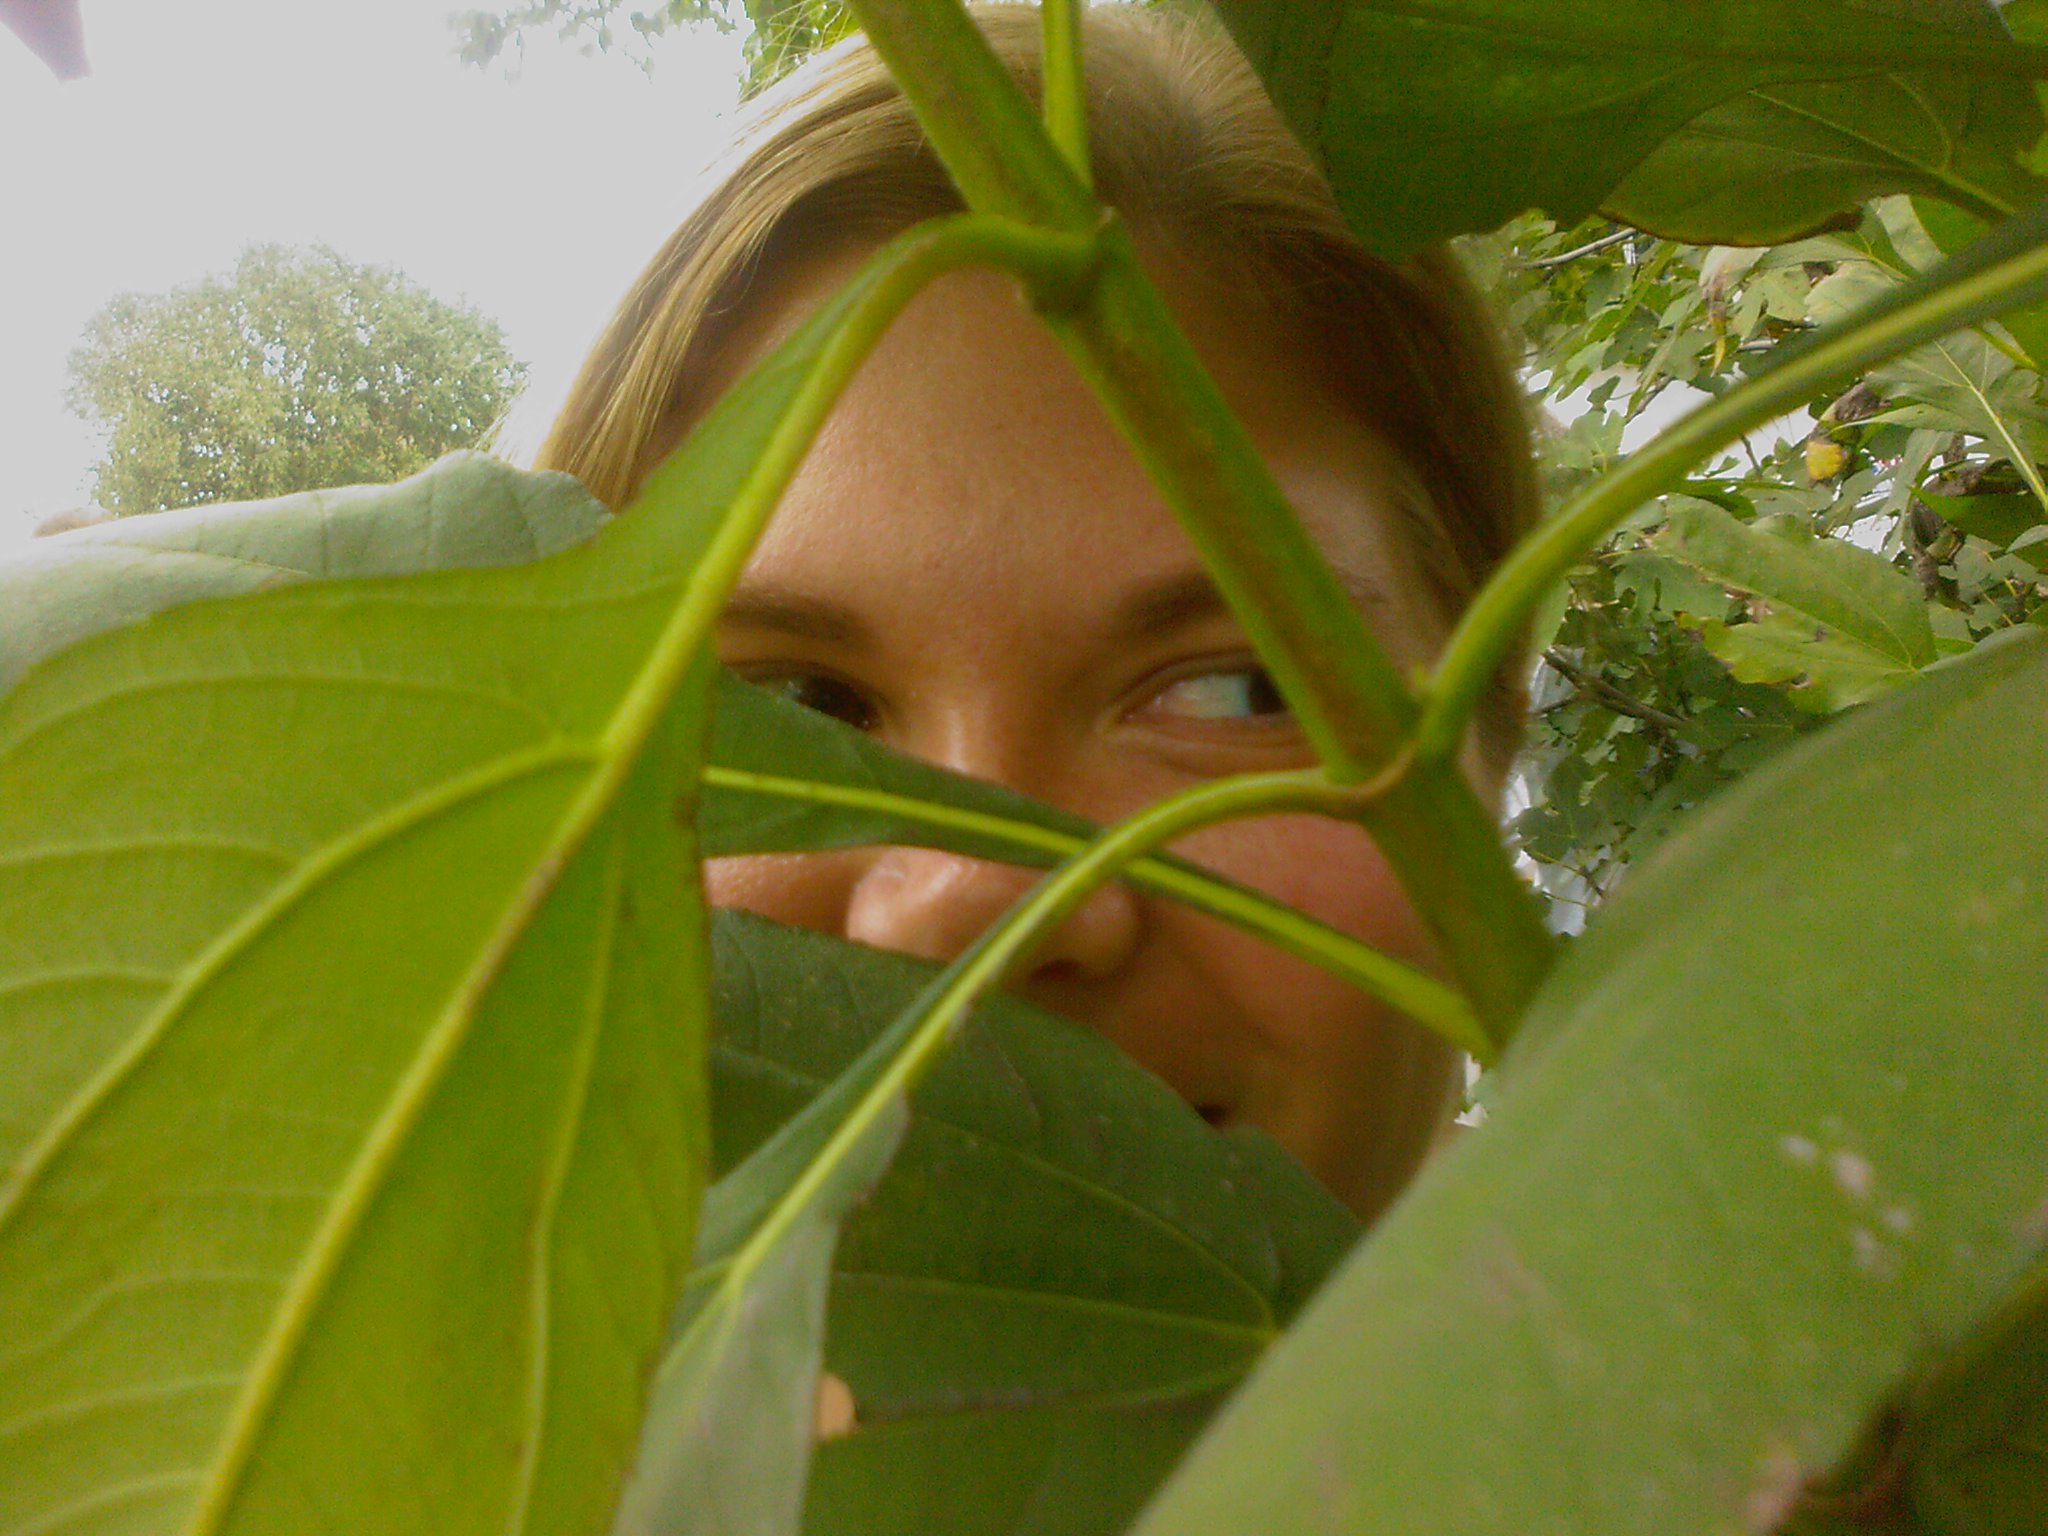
(1187, 148)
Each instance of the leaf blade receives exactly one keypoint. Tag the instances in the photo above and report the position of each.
(1837, 619)
(1778, 162)
(571, 663)
(1105, 1262)
(1435, 118)
(1606, 1304)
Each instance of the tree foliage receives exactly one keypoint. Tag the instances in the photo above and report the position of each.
(1666, 671)
(298, 370)
(780, 33)
(353, 1019)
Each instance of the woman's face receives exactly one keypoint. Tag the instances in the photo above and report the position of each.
(972, 567)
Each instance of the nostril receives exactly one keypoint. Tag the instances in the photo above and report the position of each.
(1213, 1113)
(1058, 971)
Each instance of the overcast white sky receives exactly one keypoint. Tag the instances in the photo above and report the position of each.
(206, 126)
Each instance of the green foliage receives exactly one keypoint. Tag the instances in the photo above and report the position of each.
(1639, 719)
(1926, 462)
(297, 371)
(854, 792)
(1831, 620)
(468, 511)
(353, 989)
(780, 33)
(1495, 105)
(1779, 161)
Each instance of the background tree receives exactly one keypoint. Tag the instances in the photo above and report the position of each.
(299, 369)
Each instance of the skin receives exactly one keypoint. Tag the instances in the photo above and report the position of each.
(972, 566)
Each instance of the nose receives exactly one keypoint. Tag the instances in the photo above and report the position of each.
(934, 905)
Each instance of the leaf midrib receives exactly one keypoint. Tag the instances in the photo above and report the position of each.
(352, 1196)
(213, 681)
(540, 1301)
(1097, 1193)
(439, 1048)
(1254, 1337)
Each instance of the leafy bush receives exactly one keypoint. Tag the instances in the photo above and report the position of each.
(355, 1048)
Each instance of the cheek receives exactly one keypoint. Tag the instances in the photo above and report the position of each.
(1328, 869)
(1350, 1087)
(804, 890)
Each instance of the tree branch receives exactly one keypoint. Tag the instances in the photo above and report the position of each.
(1621, 703)
(1605, 242)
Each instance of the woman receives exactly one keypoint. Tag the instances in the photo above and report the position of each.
(972, 566)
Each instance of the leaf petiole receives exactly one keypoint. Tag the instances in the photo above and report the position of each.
(1066, 99)
(1417, 994)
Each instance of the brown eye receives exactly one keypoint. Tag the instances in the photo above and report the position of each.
(822, 692)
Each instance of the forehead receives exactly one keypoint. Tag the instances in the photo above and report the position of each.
(967, 456)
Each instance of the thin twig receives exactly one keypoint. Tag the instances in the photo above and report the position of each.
(1605, 242)
(1611, 696)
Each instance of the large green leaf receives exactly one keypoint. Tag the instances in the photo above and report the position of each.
(466, 510)
(287, 1023)
(1440, 117)
(401, 981)
(1057, 1279)
(1781, 160)
(1769, 1145)
(1834, 620)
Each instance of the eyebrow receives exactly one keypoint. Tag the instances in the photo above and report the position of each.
(795, 614)
(1158, 608)
(1190, 597)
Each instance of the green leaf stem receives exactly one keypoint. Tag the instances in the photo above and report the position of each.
(1349, 696)
(785, 779)
(776, 1225)
(780, 778)
(1066, 98)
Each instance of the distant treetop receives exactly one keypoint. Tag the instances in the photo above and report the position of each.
(297, 370)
